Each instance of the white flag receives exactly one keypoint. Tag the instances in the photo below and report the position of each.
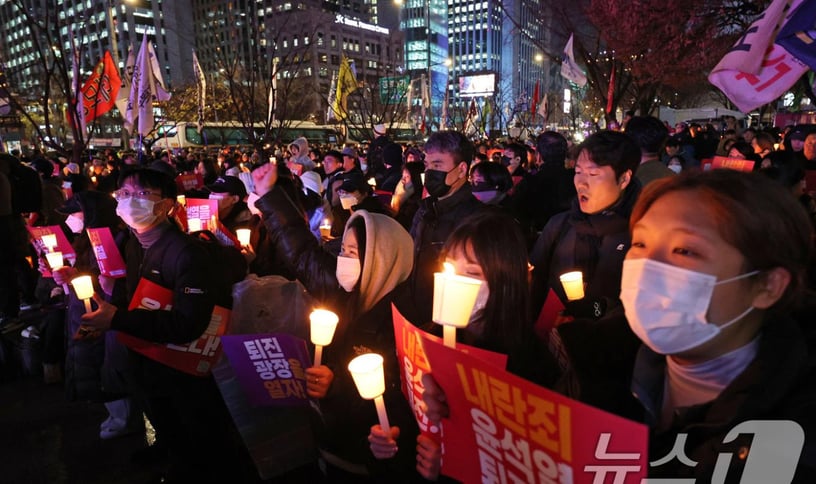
(78, 107)
(272, 90)
(330, 114)
(544, 107)
(757, 71)
(146, 86)
(124, 90)
(201, 84)
(569, 69)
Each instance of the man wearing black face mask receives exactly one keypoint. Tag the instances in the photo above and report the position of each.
(447, 157)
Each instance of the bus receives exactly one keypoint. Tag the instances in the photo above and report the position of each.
(232, 133)
(404, 133)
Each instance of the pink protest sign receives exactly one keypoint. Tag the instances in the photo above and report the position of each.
(197, 357)
(202, 214)
(503, 428)
(107, 254)
(414, 364)
(63, 245)
(269, 367)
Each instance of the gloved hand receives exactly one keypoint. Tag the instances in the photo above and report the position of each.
(587, 308)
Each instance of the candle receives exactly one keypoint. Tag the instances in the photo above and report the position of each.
(573, 283)
(182, 200)
(212, 224)
(194, 224)
(422, 177)
(454, 297)
(49, 241)
(54, 260)
(372, 182)
(83, 287)
(369, 378)
(323, 324)
(325, 229)
(243, 236)
(93, 179)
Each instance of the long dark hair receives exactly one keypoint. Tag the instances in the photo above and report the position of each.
(498, 246)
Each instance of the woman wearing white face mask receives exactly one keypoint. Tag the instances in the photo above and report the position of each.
(359, 285)
(708, 286)
(489, 246)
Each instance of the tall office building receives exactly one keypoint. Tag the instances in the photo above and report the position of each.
(480, 37)
(307, 39)
(167, 23)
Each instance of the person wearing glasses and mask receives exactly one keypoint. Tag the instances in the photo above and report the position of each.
(190, 419)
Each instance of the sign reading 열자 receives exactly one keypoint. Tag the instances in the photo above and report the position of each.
(269, 367)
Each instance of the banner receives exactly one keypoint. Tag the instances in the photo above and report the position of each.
(196, 357)
(107, 254)
(393, 90)
(269, 367)
(798, 36)
(124, 88)
(610, 92)
(414, 364)
(201, 88)
(100, 91)
(270, 115)
(503, 428)
(757, 71)
(63, 245)
(569, 69)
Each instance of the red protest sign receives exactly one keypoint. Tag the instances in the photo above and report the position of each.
(732, 163)
(202, 214)
(63, 245)
(414, 364)
(189, 181)
(197, 357)
(520, 432)
(107, 254)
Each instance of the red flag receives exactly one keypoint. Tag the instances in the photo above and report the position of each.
(101, 89)
(610, 93)
(535, 99)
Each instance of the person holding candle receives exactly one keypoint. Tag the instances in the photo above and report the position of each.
(359, 285)
(725, 325)
(489, 246)
(190, 418)
(96, 369)
(408, 193)
(591, 237)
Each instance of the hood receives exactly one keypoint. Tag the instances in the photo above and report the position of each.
(389, 257)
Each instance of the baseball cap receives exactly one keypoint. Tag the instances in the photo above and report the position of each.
(228, 184)
(354, 181)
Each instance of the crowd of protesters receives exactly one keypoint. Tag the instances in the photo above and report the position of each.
(695, 315)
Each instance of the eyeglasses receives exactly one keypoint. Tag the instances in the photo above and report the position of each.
(140, 194)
